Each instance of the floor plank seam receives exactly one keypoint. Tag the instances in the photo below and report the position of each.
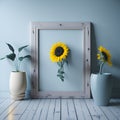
(7, 109)
(48, 108)
(60, 109)
(25, 109)
(75, 109)
(68, 109)
(103, 113)
(88, 108)
(42, 108)
(54, 110)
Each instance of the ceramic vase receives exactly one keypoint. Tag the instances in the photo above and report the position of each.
(101, 87)
(17, 85)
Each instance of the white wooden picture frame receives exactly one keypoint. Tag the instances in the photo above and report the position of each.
(35, 28)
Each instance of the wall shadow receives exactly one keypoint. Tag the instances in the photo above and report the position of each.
(114, 102)
(94, 63)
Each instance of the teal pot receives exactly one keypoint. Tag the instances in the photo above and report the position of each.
(101, 87)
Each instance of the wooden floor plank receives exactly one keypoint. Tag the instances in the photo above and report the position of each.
(95, 111)
(51, 110)
(71, 110)
(2, 100)
(115, 108)
(19, 110)
(39, 110)
(6, 115)
(30, 110)
(108, 113)
(13, 117)
(64, 110)
(57, 115)
(78, 108)
(4, 105)
(21, 107)
(81, 110)
(86, 113)
(58, 109)
(44, 113)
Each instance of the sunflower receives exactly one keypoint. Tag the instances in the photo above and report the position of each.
(103, 56)
(98, 56)
(58, 52)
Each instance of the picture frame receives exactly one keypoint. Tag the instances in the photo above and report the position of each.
(85, 27)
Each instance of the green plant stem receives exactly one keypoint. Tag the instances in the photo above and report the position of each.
(19, 65)
(15, 64)
(18, 62)
(101, 68)
(61, 71)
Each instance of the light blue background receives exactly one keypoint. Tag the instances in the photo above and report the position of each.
(15, 16)
(73, 71)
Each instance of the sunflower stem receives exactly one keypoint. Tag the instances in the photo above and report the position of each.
(61, 71)
(101, 68)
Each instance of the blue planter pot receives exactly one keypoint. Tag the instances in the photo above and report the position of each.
(101, 87)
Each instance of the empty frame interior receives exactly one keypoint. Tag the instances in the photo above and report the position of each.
(45, 82)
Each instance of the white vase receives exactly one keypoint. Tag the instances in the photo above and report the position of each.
(17, 85)
(101, 87)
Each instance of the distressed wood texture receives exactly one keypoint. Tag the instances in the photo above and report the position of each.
(36, 27)
(58, 109)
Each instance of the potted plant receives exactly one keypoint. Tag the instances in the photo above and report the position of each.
(101, 83)
(17, 83)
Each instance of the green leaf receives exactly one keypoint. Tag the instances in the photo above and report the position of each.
(27, 56)
(61, 77)
(21, 48)
(2, 58)
(10, 47)
(62, 63)
(59, 64)
(22, 58)
(61, 72)
(11, 56)
(59, 69)
(58, 75)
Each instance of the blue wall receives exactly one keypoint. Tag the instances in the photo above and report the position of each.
(73, 71)
(15, 16)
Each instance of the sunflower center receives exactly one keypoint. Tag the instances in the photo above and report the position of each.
(105, 56)
(59, 51)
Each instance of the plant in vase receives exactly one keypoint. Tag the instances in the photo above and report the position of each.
(101, 83)
(103, 56)
(17, 78)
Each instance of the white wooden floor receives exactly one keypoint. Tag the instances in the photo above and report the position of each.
(58, 109)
